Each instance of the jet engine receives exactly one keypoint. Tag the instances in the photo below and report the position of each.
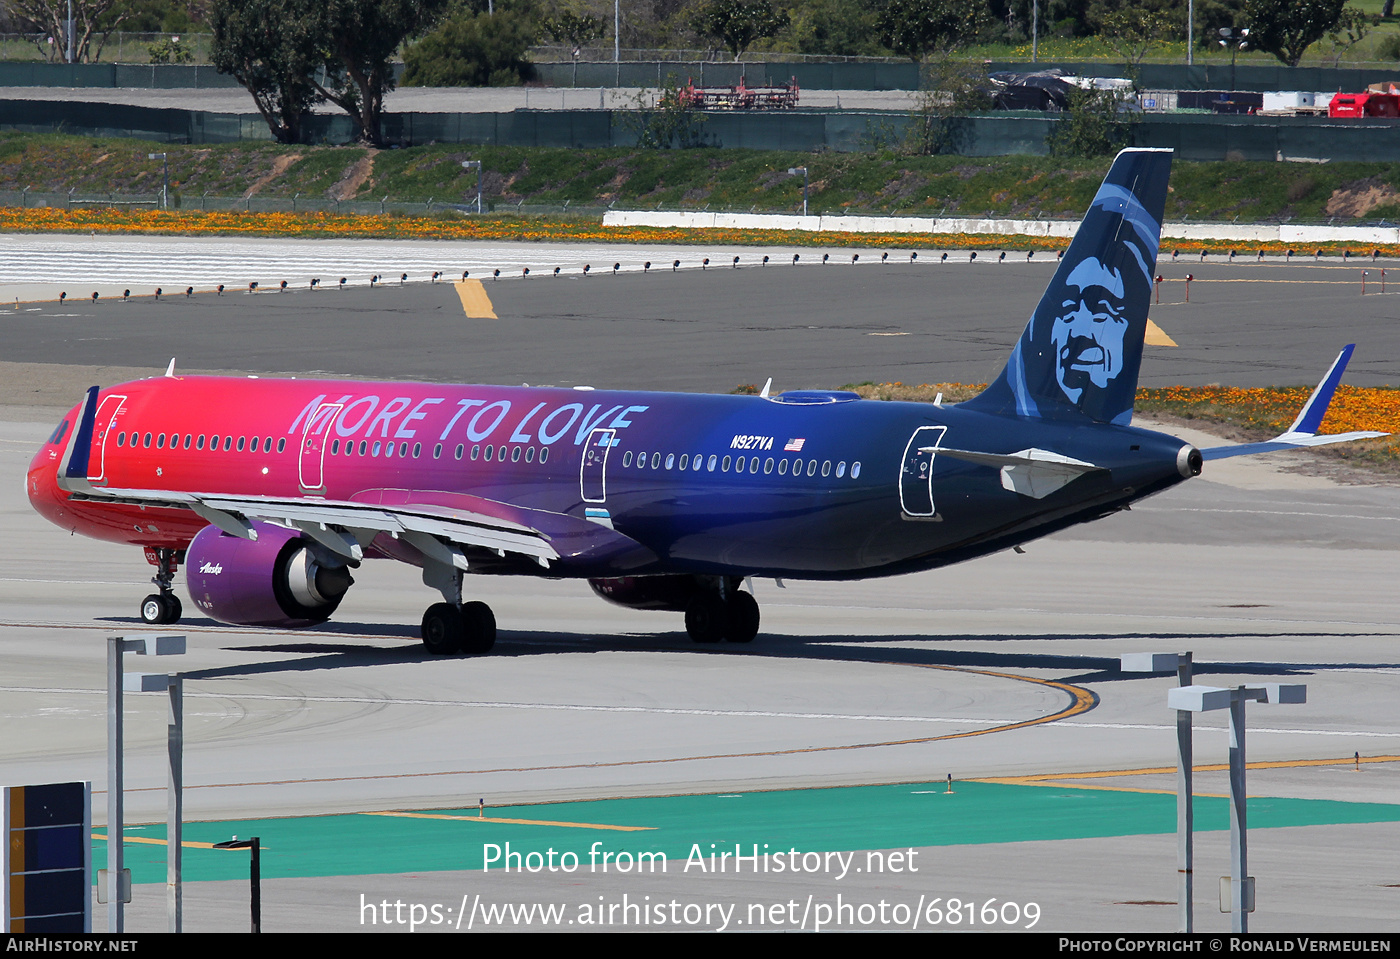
(648, 592)
(280, 579)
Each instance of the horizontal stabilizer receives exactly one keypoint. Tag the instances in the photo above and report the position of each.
(1034, 472)
(1303, 432)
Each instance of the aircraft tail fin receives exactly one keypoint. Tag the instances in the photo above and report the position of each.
(1081, 351)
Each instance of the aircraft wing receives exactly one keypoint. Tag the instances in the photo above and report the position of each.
(1303, 432)
(438, 524)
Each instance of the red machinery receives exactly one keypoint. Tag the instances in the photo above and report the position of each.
(1364, 105)
(775, 96)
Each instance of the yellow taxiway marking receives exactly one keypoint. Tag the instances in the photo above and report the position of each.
(513, 822)
(1059, 779)
(475, 303)
(158, 842)
(1156, 337)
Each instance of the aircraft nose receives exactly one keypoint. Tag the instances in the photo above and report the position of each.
(1188, 461)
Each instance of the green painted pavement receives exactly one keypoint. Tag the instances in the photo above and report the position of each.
(808, 820)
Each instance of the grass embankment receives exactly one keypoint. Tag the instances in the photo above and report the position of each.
(883, 182)
(1246, 414)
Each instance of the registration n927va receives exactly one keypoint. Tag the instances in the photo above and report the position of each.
(272, 493)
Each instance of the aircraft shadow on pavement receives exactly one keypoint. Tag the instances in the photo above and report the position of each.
(329, 654)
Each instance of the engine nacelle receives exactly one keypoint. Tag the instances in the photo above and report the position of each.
(279, 579)
(648, 592)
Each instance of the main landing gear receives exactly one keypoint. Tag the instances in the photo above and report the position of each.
(469, 628)
(726, 613)
(162, 608)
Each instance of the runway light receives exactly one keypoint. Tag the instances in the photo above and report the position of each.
(854, 257)
(403, 278)
(1375, 253)
(1157, 285)
(436, 274)
(1189, 278)
(1261, 256)
(252, 286)
(126, 294)
(189, 292)
(1232, 256)
(1174, 255)
(646, 267)
(586, 268)
(944, 258)
(675, 265)
(1346, 254)
(1317, 254)
(556, 271)
(62, 296)
(524, 271)
(765, 261)
(1203, 254)
(158, 291)
(616, 267)
(1002, 258)
(825, 257)
(464, 274)
(495, 273)
(972, 257)
(94, 296)
(1059, 256)
(315, 283)
(735, 264)
(1288, 256)
(342, 282)
(1363, 282)
(883, 257)
(913, 255)
(704, 263)
(283, 287)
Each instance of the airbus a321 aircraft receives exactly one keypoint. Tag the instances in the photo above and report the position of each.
(270, 492)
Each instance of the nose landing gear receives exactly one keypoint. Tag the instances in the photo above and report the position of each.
(162, 608)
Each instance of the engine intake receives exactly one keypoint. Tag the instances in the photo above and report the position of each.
(280, 579)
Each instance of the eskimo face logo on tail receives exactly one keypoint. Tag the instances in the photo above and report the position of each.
(1088, 333)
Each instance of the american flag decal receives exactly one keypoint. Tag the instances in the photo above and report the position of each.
(794, 446)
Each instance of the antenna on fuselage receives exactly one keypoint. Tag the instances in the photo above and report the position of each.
(170, 370)
(766, 386)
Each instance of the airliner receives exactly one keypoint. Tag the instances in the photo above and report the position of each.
(271, 493)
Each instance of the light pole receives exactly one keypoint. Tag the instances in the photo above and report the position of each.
(254, 874)
(174, 685)
(793, 171)
(467, 165)
(1185, 813)
(164, 178)
(1199, 699)
(1236, 42)
(1035, 30)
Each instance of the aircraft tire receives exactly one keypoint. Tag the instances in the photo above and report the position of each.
(706, 618)
(158, 610)
(742, 618)
(478, 628)
(442, 629)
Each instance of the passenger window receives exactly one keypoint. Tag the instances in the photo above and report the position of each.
(655, 460)
(840, 469)
(811, 467)
(335, 447)
(826, 468)
(160, 441)
(437, 451)
(199, 442)
(713, 459)
(768, 465)
(670, 460)
(515, 454)
(782, 467)
(364, 445)
(725, 467)
(282, 444)
(461, 447)
(753, 465)
(486, 454)
(403, 449)
(685, 458)
(627, 458)
(530, 454)
(544, 453)
(855, 470)
(63, 428)
(375, 449)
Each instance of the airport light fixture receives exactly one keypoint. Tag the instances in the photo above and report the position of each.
(1199, 699)
(793, 171)
(1180, 663)
(164, 178)
(467, 165)
(114, 882)
(173, 684)
(254, 847)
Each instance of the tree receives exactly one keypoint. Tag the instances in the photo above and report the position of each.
(736, 24)
(361, 36)
(472, 51)
(272, 47)
(1093, 126)
(574, 29)
(51, 17)
(1132, 30)
(1286, 28)
(919, 28)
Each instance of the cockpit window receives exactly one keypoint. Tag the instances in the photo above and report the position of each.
(59, 433)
